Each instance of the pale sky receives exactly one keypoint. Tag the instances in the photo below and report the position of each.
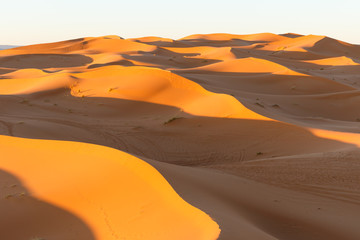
(36, 21)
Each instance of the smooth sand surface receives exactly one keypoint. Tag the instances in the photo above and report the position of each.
(259, 133)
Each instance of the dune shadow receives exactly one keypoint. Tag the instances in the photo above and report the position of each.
(5, 71)
(147, 129)
(335, 48)
(234, 42)
(123, 62)
(291, 35)
(173, 43)
(199, 42)
(165, 58)
(271, 83)
(42, 61)
(278, 55)
(23, 217)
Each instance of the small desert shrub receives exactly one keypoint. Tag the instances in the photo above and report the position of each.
(8, 196)
(259, 104)
(281, 48)
(171, 120)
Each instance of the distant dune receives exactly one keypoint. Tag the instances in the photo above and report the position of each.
(2, 47)
(211, 136)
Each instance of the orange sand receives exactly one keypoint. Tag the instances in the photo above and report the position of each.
(117, 195)
(258, 132)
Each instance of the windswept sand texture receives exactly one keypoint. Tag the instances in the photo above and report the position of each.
(259, 133)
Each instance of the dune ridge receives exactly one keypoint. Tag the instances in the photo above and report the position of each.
(260, 132)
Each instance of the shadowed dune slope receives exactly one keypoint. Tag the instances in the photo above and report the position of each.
(25, 217)
(42, 61)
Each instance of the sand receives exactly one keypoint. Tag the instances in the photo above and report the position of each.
(213, 136)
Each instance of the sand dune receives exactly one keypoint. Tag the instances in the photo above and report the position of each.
(121, 203)
(259, 133)
(248, 65)
(335, 61)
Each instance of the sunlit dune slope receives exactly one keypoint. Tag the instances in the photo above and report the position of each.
(116, 195)
(34, 85)
(134, 83)
(335, 61)
(158, 86)
(244, 65)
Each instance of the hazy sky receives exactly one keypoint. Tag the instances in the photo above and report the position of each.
(34, 21)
